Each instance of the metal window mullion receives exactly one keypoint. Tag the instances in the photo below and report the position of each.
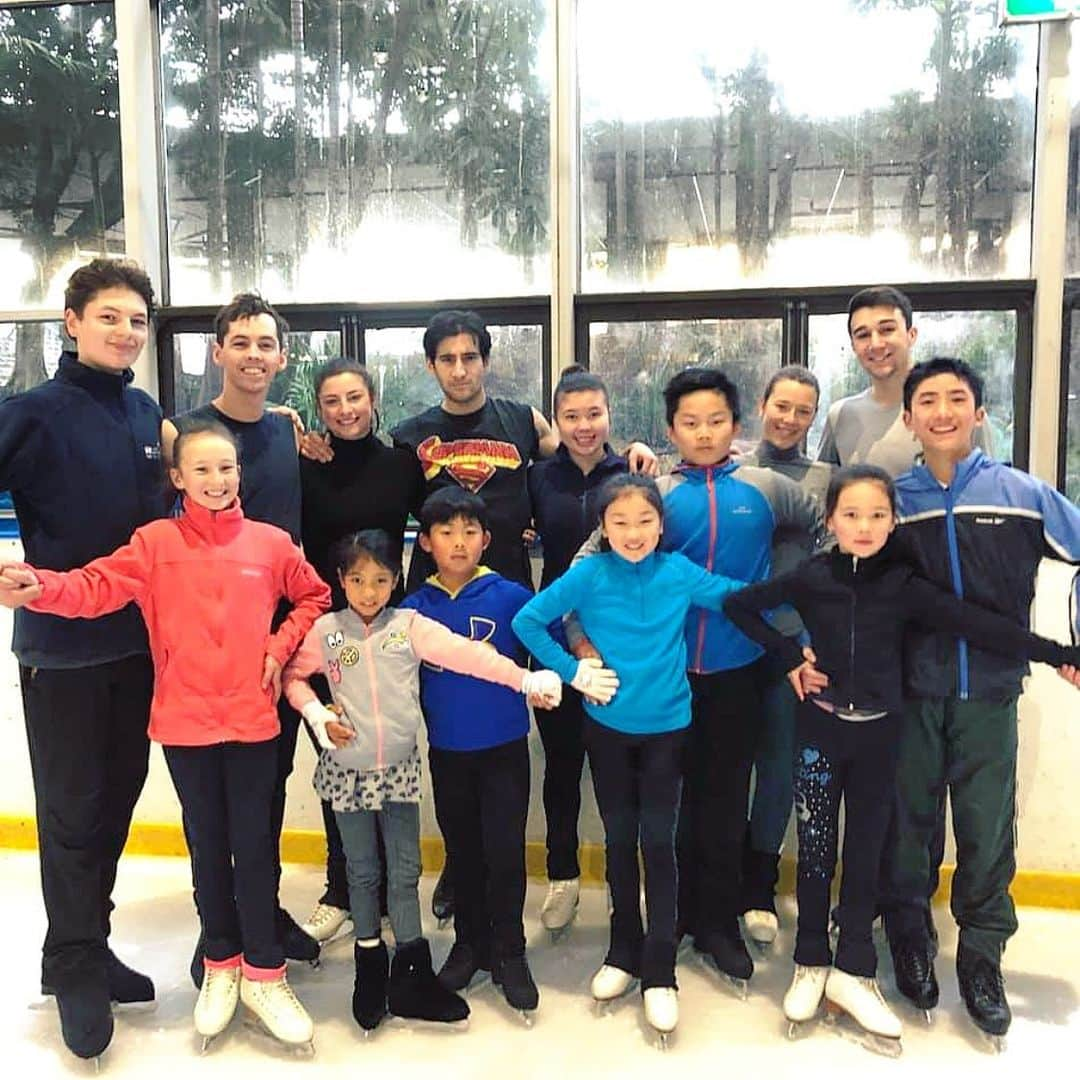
(140, 156)
(1049, 226)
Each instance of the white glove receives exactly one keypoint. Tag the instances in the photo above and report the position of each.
(318, 716)
(595, 681)
(545, 684)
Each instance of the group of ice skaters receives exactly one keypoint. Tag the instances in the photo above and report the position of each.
(848, 629)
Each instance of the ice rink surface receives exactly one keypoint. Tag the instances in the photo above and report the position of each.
(718, 1035)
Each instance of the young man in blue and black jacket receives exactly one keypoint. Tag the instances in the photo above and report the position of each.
(980, 528)
(81, 457)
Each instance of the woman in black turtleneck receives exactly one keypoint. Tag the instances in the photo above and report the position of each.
(365, 485)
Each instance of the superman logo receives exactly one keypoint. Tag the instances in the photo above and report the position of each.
(471, 462)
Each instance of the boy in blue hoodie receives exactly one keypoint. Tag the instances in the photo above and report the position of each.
(723, 516)
(478, 750)
(980, 528)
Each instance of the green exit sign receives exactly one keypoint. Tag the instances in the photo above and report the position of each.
(1038, 10)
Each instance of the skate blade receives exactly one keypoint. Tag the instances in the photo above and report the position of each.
(800, 1029)
(663, 1041)
(739, 987)
(996, 1044)
(606, 1006)
(423, 1024)
(848, 1028)
(560, 933)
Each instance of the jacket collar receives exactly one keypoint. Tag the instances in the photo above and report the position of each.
(479, 572)
(610, 462)
(215, 526)
(965, 470)
(707, 472)
(97, 383)
(766, 451)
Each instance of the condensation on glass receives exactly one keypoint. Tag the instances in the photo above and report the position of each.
(404, 385)
(722, 150)
(29, 354)
(985, 339)
(346, 151)
(636, 360)
(197, 379)
(61, 193)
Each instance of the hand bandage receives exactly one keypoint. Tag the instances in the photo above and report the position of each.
(595, 681)
(318, 716)
(545, 684)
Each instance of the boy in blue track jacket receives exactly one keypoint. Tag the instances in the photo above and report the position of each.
(478, 750)
(980, 528)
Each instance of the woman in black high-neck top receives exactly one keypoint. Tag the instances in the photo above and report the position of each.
(366, 485)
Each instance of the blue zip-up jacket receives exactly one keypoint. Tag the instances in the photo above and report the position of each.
(981, 537)
(724, 517)
(81, 456)
(634, 614)
(463, 713)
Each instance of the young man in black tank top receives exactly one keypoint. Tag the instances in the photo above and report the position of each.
(250, 350)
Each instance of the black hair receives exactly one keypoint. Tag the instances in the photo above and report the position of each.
(247, 305)
(375, 544)
(942, 365)
(573, 380)
(450, 503)
(101, 274)
(692, 379)
(880, 296)
(857, 474)
(618, 486)
(201, 427)
(445, 324)
(346, 365)
(794, 373)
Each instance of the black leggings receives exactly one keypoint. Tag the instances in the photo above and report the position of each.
(638, 779)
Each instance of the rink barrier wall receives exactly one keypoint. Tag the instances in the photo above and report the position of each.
(1030, 888)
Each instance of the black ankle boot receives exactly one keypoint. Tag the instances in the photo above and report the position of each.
(369, 989)
(462, 963)
(295, 944)
(913, 966)
(415, 993)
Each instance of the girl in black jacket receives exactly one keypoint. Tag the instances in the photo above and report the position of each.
(855, 601)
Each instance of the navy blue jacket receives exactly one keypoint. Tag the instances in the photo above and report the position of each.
(81, 456)
(564, 501)
(982, 537)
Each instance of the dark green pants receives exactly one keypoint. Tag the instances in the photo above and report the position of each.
(968, 747)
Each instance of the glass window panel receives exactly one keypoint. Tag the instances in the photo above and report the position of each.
(727, 153)
(422, 158)
(985, 339)
(197, 379)
(636, 359)
(61, 195)
(405, 387)
(29, 354)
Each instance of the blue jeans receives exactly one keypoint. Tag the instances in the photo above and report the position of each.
(399, 824)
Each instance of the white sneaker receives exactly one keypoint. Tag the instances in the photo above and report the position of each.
(324, 921)
(610, 982)
(560, 904)
(662, 1008)
(804, 995)
(861, 999)
(274, 1003)
(217, 1000)
(761, 926)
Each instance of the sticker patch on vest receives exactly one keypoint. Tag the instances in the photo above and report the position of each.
(350, 655)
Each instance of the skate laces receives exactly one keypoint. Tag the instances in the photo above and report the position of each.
(869, 983)
(322, 915)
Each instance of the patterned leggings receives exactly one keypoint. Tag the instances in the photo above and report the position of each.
(857, 761)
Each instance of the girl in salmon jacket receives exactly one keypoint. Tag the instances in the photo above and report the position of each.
(369, 769)
(208, 583)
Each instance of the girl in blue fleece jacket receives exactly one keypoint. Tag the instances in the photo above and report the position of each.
(632, 601)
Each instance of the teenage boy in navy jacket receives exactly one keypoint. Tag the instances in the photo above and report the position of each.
(81, 457)
(980, 528)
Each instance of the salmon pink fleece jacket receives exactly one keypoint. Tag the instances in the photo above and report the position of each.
(207, 584)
